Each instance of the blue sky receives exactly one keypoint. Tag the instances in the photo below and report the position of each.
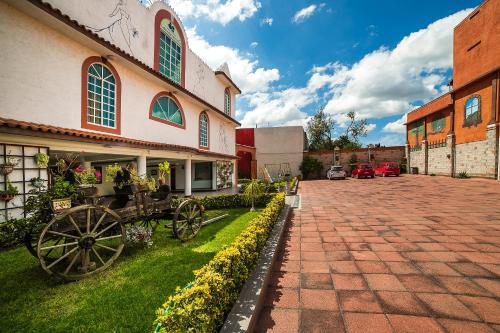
(377, 58)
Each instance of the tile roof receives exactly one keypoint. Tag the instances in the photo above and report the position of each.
(6, 124)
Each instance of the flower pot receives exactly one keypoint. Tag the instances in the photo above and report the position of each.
(6, 169)
(59, 205)
(7, 196)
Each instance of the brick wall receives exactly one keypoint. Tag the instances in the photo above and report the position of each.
(379, 155)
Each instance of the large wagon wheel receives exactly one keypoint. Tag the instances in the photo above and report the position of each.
(81, 241)
(188, 219)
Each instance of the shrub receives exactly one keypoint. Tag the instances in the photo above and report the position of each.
(253, 191)
(202, 305)
(12, 233)
(463, 175)
(310, 165)
(228, 201)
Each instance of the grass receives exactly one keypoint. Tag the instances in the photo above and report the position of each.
(123, 298)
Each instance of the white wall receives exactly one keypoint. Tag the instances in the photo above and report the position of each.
(40, 81)
(276, 145)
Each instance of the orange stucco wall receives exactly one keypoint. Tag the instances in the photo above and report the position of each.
(476, 43)
(433, 137)
(477, 132)
(437, 104)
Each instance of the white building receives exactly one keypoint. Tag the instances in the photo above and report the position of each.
(113, 81)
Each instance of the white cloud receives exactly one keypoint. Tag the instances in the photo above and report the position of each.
(216, 10)
(370, 127)
(244, 71)
(383, 83)
(386, 82)
(397, 126)
(306, 12)
(267, 21)
(253, 45)
(392, 140)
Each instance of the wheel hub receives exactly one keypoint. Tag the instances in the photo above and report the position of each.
(86, 242)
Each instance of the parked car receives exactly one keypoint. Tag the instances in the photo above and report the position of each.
(336, 172)
(363, 170)
(387, 169)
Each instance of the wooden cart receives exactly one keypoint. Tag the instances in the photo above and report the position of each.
(86, 239)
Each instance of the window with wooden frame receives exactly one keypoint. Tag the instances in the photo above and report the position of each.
(472, 111)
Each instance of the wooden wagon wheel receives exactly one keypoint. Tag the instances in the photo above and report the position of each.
(148, 224)
(188, 219)
(81, 241)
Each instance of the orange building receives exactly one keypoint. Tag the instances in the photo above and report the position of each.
(459, 131)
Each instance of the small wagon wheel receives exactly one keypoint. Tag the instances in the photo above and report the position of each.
(81, 241)
(148, 224)
(188, 219)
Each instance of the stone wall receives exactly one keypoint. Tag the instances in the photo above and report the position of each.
(439, 161)
(417, 160)
(343, 157)
(477, 158)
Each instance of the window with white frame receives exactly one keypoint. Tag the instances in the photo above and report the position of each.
(227, 102)
(170, 51)
(203, 130)
(101, 96)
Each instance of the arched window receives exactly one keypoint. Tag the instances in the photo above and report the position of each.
(204, 131)
(472, 114)
(100, 96)
(169, 47)
(227, 102)
(166, 109)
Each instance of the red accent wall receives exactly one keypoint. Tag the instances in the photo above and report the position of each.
(245, 136)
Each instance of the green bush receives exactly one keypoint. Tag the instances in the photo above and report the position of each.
(243, 181)
(310, 166)
(463, 175)
(228, 201)
(12, 233)
(202, 305)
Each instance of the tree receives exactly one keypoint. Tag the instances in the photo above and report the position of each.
(356, 128)
(310, 165)
(319, 130)
(252, 192)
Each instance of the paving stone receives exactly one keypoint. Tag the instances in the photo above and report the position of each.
(400, 303)
(349, 282)
(460, 326)
(366, 322)
(387, 282)
(318, 299)
(316, 281)
(443, 305)
(413, 324)
(358, 301)
(315, 321)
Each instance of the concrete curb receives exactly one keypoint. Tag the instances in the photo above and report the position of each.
(244, 314)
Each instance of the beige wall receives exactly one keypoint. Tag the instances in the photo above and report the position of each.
(40, 81)
(276, 145)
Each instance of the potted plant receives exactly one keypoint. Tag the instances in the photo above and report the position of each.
(9, 165)
(37, 182)
(42, 160)
(86, 178)
(163, 171)
(9, 193)
(252, 192)
(61, 194)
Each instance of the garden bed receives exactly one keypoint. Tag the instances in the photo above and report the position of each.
(123, 298)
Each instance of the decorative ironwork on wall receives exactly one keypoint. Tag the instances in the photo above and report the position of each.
(24, 175)
(225, 171)
(437, 144)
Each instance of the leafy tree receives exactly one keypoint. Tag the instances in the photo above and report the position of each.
(356, 128)
(319, 130)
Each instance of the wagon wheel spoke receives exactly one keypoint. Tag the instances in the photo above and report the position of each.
(107, 228)
(58, 245)
(106, 247)
(66, 271)
(62, 257)
(99, 222)
(98, 256)
(108, 237)
(89, 215)
(70, 218)
(62, 234)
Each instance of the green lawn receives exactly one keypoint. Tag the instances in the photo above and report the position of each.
(122, 299)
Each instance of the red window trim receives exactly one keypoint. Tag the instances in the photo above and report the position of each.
(169, 95)
(208, 132)
(160, 15)
(85, 67)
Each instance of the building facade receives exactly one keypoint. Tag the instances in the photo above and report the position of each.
(458, 132)
(275, 149)
(114, 82)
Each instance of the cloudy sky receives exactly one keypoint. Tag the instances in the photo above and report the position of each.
(377, 58)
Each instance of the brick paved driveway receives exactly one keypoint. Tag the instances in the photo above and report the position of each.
(408, 254)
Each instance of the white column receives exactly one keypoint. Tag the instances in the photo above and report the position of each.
(214, 175)
(235, 176)
(87, 164)
(141, 165)
(187, 177)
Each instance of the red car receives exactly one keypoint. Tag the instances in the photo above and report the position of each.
(387, 169)
(363, 170)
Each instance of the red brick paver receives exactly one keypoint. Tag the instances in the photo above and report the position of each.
(407, 254)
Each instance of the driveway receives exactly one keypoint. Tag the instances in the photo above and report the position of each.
(407, 254)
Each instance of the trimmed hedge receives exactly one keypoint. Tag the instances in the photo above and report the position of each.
(12, 233)
(203, 304)
(224, 201)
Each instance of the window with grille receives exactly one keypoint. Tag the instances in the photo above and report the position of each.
(204, 130)
(170, 51)
(227, 102)
(438, 123)
(165, 109)
(101, 96)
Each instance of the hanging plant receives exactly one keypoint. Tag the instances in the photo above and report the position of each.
(37, 182)
(163, 171)
(42, 160)
(9, 193)
(9, 165)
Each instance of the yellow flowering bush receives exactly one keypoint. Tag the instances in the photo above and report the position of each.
(202, 305)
